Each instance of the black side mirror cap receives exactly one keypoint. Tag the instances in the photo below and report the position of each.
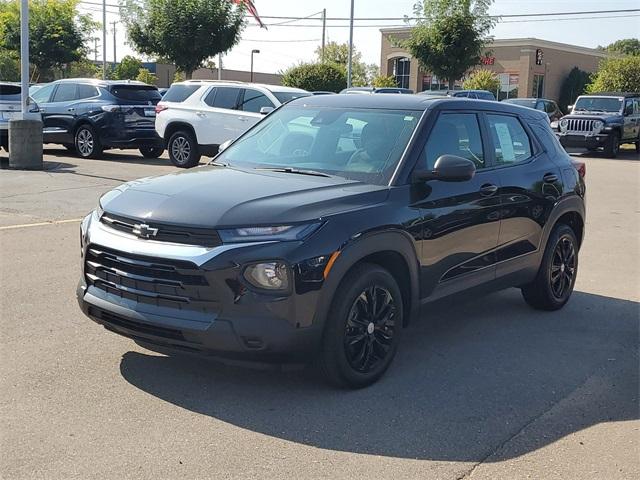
(448, 168)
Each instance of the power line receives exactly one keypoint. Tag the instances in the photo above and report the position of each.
(281, 41)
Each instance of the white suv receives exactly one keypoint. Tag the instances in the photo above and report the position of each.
(195, 117)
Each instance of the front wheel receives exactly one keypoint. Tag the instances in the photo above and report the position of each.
(183, 150)
(613, 145)
(87, 143)
(363, 328)
(555, 280)
(151, 152)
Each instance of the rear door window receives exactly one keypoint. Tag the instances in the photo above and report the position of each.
(43, 94)
(179, 93)
(510, 140)
(254, 100)
(136, 93)
(66, 92)
(226, 97)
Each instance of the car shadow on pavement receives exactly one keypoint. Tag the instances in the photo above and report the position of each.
(467, 378)
(624, 155)
(112, 156)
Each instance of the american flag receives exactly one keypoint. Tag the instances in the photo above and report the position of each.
(252, 10)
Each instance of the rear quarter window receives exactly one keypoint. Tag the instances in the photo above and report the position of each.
(10, 93)
(179, 93)
(139, 93)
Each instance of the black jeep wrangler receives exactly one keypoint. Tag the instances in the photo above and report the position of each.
(602, 120)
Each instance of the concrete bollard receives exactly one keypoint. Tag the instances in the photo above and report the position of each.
(25, 144)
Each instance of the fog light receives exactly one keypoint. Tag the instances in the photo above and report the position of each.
(270, 276)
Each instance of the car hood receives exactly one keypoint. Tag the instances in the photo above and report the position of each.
(213, 196)
(604, 116)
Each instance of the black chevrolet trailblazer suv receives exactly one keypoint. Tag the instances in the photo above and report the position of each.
(324, 230)
(602, 121)
(89, 116)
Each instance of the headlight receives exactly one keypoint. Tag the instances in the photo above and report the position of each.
(597, 126)
(280, 233)
(564, 124)
(270, 276)
(554, 125)
(99, 210)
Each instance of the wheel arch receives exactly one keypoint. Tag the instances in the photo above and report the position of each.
(176, 126)
(392, 250)
(570, 212)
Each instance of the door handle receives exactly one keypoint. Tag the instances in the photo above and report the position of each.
(550, 178)
(71, 109)
(42, 110)
(243, 119)
(488, 189)
(201, 114)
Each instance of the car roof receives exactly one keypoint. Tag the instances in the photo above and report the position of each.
(236, 83)
(102, 83)
(411, 102)
(612, 94)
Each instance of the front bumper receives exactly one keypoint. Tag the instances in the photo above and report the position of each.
(583, 141)
(238, 324)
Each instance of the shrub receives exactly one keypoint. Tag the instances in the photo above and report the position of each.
(573, 86)
(315, 76)
(617, 75)
(146, 76)
(482, 80)
(382, 81)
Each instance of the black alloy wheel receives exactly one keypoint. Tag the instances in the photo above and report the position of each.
(563, 267)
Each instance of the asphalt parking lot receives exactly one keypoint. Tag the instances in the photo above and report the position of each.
(484, 388)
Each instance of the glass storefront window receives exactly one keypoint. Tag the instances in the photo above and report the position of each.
(538, 86)
(509, 83)
(402, 71)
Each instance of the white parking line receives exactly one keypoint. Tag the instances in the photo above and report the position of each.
(40, 224)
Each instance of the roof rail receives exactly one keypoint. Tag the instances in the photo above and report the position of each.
(212, 80)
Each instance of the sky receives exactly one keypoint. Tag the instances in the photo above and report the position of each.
(283, 46)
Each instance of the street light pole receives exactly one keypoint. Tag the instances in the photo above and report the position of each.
(350, 63)
(252, 52)
(24, 56)
(104, 39)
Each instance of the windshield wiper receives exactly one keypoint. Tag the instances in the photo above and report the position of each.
(296, 171)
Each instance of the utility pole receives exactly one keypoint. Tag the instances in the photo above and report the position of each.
(115, 58)
(350, 63)
(104, 39)
(220, 66)
(95, 49)
(324, 30)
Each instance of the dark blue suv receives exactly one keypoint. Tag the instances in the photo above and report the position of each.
(89, 115)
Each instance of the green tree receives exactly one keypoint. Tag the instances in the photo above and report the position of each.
(316, 77)
(617, 75)
(83, 68)
(627, 46)
(146, 76)
(9, 67)
(572, 87)
(482, 80)
(187, 32)
(127, 69)
(338, 54)
(58, 34)
(451, 36)
(382, 81)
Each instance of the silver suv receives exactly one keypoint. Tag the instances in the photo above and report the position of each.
(10, 108)
(195, 117)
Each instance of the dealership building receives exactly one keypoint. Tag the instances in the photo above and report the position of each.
(526, 67)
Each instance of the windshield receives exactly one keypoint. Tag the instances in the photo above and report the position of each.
(523, 102)
(284, 97)
(357, 144)
(598, 104)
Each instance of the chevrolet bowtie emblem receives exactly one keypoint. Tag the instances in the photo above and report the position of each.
(143, 230)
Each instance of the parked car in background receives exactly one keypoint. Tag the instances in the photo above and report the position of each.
(478, 94)
(356, 90)
(544, 105)
(326, 253)
(602, 120)
(88, 116)
(322, 92)
(10, 108)
(162, 91)
(196, 116)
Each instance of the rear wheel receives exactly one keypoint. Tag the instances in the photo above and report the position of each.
(183, 150)
(612, 147)
(363, 328)
(151, 152)
(638, 146)
(556, 277)
(87, 143)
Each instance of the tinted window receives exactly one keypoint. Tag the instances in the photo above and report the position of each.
(540, 106)
(10, 93)
(284, 97)
(523, 102)
(628, 106)
(179, 93)
(550, 107)
(454, 134)
(140, 93)
(636, 105)
(461, 94)
(43, 94)
(211, 96)
(486, 96)
(226, 97)
(510, 140)
(87, 91)
(253, 101)
(65, 92)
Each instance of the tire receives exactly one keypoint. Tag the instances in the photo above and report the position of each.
(151, 152)
(183, 149)
(638, 146)
(87, 143)
(612, 147)
(556, 277)
(374, 344)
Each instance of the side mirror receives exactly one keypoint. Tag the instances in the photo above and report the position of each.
(448, 168)
(266, 110)
(224, 146)
(570, 108)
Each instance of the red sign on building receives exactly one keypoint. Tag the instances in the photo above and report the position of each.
(488, 60)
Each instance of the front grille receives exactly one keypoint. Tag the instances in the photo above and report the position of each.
(111, 319)
(579, 125)
(204, 237)
(160, 282)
